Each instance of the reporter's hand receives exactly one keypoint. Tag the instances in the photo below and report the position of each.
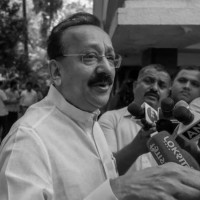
(128, 155)
(139, 143)
(166, 182)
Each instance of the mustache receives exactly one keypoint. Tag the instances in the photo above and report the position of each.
(152, 92)
(101, 78)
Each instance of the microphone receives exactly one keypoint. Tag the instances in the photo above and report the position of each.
(165, 149)
(164, 125)
(166, 120)
(147, 120)
(136, 110)
(188, 132)
(167, 106)
(189, 128)
(144, 111)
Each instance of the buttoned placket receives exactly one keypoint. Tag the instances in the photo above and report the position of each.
(105, 154)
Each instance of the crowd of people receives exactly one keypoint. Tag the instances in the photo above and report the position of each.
(60, 149)
(153, 85)
(14, 101)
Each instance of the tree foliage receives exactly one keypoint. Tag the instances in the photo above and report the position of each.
(41, 16)
(11, 32)
(48, 8)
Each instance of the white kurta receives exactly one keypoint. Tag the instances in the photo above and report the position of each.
(56, 152)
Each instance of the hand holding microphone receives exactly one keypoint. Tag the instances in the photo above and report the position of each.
(148, 127)
(165, 149)
(147, 115)
(161, 144)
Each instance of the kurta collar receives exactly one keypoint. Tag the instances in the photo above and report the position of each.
(68, 109)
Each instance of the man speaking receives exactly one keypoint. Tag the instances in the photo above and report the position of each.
(57, 150)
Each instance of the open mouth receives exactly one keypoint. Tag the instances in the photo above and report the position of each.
(102, 86)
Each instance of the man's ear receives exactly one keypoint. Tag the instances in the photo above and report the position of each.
(54, 70)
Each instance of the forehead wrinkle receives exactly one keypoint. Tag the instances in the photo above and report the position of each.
(164, 79)
(80, 37)
(189, 74)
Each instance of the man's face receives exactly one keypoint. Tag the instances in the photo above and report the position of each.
(86, 86)
(151, 87)
(186, 86)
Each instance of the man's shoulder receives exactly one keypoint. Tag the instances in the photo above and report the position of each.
(114, 115)
(37, 114)
(195, 105)
(118, 112)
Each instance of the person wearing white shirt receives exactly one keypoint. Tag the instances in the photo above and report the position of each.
(27, 97)
(120, 127)
(57, 150)
(186, 87)
(13, 104)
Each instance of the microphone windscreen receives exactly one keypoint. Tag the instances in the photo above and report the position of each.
(136, 110)
(164, 125)
(183, 115)
(181, 103)
(167, 105)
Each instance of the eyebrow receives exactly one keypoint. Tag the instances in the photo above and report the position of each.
(108, 49)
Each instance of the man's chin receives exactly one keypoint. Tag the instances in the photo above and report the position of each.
(153, 103)
(100, 101)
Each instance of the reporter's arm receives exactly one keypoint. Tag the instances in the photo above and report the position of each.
(128, 155)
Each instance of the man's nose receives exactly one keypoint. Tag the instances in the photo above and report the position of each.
(155, 86)
(187, 84)
(105, 66)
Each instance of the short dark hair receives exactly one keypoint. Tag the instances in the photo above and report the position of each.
(185, 67)
(54, 44)
(158, 67)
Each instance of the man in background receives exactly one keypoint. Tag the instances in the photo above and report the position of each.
(120, 127)
(13, 106)
(27, 97)
(186, 84)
